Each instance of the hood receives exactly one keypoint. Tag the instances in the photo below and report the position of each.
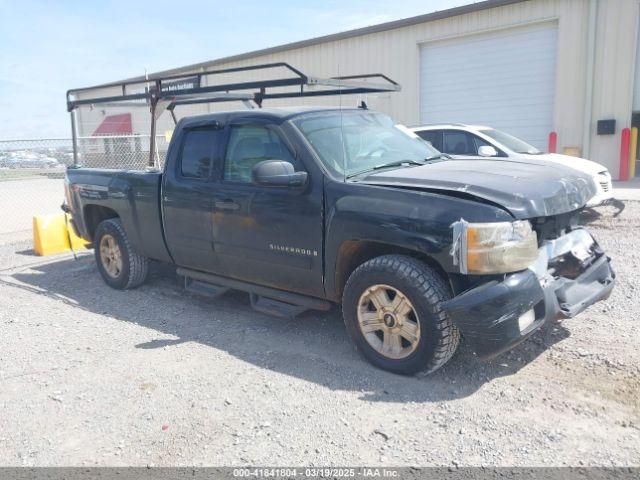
(587, 166)
(526, 189)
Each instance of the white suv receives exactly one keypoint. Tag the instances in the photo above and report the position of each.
(469, 141)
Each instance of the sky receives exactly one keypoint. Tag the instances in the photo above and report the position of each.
(48, 47)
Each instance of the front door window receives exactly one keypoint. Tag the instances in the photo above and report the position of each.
(248, 146)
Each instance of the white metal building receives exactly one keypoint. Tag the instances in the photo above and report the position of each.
(529, 67)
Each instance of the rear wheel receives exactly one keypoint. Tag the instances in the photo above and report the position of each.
(120, 266)
(391, 307)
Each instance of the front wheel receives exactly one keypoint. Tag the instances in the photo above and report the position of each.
(392, 310)
(121, 267)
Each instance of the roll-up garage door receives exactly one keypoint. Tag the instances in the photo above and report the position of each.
(504, 79)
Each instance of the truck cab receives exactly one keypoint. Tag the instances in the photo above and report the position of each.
(219, 219)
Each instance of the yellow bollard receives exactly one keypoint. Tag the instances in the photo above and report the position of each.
(633, 148)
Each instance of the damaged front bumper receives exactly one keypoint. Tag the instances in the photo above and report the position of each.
(496, 316)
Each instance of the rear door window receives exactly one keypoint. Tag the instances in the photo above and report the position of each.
(434, 137)
(196, 156)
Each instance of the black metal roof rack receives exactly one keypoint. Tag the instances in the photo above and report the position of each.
(165, 93)
(189, 85)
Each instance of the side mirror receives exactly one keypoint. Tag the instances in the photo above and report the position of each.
(487, 151)
(277, 173)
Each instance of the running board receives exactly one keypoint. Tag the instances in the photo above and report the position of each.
(203, 288)
(275, 308)
(263, 299)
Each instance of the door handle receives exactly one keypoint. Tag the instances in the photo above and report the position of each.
(226, 205)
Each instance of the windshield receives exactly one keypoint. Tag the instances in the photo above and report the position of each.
(512, 143)
(354, 142)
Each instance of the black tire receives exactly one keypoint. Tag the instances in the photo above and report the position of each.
(426, 290)
(134, 266)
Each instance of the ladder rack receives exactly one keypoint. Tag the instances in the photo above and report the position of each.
(160, 93)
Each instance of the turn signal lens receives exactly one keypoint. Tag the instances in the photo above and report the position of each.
(526, 319)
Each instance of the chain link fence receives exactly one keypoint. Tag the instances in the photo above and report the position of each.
(32, 173)
(122, 151)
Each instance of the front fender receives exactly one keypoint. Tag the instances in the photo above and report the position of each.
(404, 218)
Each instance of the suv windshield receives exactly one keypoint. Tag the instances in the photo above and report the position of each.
(351, 142)
(512, 143)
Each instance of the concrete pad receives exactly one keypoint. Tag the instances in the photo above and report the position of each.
(629, 190)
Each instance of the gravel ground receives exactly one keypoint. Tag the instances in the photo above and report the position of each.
(154, 376)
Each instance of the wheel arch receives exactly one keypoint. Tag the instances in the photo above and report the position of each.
(95, 214)
(353, 253)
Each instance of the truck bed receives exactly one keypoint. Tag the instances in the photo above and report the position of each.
(133, 195)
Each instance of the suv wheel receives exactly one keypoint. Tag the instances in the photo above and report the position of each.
(391, 308)
(120, 266)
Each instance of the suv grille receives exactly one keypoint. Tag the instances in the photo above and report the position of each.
(605, 186)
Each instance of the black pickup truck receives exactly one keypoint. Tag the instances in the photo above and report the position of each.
(305, 208)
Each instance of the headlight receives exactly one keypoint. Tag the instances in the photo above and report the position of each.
(501, 247)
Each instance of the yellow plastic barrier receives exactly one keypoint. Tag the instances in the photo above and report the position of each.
(51, 236)
(633, 148)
